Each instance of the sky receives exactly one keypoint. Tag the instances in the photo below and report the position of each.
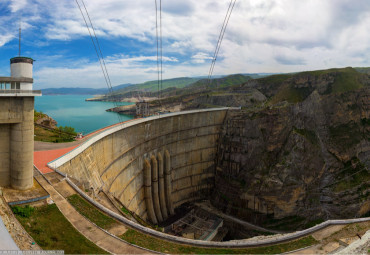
(263, 36)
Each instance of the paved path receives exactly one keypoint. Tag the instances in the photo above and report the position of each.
(41, 158)
(86, 228)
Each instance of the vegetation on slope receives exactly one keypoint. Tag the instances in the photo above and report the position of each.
(177, 87)
(52, 231)
(90, 212)
(47, 132)
(217, 84)
(353, 174)
(297, 87)
(202, 88)
(152, 86)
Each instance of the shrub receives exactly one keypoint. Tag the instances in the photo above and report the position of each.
(24, 212)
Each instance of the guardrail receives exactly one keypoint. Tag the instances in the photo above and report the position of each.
(20, 91)
(244, 243)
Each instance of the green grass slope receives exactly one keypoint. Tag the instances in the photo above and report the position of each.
(152, 86)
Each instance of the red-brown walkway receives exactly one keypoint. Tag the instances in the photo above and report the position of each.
(41, 158)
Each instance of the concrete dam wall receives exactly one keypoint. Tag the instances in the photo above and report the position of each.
(177, 150)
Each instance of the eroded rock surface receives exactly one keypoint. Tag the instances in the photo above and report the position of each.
(305, 154)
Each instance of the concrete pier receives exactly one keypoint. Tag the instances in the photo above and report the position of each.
(4, 155)
(16, 142)
(21, 148)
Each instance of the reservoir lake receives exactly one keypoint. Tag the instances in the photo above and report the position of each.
(74, 111)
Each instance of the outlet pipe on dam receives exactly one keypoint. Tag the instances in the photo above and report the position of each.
(157, 208)
(148, 191)
(168, 184)
(162, 196)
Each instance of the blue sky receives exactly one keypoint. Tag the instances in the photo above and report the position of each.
(262, 36)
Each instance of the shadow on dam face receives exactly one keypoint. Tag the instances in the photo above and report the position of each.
(184, 144)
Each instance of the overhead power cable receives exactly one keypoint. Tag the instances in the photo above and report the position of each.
(95, 47)
(220, 38)
(98, 52)
(158, 29)
(101, 54)
(157, 40)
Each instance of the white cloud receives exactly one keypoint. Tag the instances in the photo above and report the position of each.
(121, 69)
(262, 36)
(200, 58)
(127, 59)
(16, 5)
(4, 39)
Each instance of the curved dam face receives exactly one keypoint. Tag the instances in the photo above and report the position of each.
(181, 146)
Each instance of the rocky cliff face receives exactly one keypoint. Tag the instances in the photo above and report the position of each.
(45, 120)
(306, 154)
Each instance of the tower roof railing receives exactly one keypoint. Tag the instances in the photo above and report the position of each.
(21, 59)
(20, 79)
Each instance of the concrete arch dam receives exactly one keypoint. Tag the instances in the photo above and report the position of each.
(151, 165)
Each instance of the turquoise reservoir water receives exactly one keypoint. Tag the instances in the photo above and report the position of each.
(74, 111)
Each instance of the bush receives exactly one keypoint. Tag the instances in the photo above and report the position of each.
(68, 130)
(24, 212)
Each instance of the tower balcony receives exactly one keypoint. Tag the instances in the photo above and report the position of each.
(13, 87)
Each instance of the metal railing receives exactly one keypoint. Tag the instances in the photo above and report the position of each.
(20, 91)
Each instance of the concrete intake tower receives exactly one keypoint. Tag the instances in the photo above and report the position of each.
(17, 125)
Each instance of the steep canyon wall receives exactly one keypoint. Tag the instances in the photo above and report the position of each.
(309, 158)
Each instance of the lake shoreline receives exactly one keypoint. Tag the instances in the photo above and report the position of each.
(84, 116)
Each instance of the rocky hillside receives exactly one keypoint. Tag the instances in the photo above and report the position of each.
(303, 155)
(44, 120)
(201, 94)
